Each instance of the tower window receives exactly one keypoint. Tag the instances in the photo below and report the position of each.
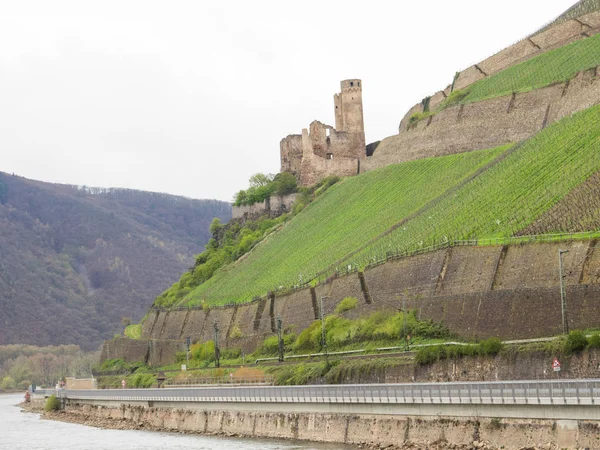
(359, 84)
(352, 83)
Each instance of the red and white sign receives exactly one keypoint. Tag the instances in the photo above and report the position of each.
(556, 365)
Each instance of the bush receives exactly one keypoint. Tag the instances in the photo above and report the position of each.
(285, 183)
(231, 353)
(52, 403)
(346, 304)
(454, 98)
(417, 117)
(8, 383)
(235, 332)
(115, 365)
(142, 380)
(594, 340)
(269, 347)
(429, 355)
(576, 342)
(204, 352)
(309, 338)
(491, 346)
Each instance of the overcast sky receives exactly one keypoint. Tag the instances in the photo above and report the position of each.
(193, 97)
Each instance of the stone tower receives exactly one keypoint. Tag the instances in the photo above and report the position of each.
(349, 110)
(322, 150)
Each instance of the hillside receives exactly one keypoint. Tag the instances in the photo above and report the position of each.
(462, 215)
(74, 262)
(402, 208)
(417, 204)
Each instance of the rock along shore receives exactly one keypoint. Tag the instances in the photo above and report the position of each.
(367, 432)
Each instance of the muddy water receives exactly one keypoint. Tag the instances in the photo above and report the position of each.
(24, 431)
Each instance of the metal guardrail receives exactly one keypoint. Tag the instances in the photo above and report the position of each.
(554, 392)
(266, 380)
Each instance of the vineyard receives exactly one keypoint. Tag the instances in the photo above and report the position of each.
(408, 207)
(348, 215)
(550, 67)
(508, 197)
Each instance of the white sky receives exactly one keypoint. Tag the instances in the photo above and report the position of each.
(193, 97)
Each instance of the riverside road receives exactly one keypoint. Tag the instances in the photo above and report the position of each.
(543, 399)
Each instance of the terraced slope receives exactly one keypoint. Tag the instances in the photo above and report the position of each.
(579, 9)
(511, 195)
(548, 68)
(348, 215)
(433, 200)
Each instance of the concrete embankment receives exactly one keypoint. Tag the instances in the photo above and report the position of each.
(367, 431)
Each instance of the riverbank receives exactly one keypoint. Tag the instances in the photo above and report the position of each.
(364, 431)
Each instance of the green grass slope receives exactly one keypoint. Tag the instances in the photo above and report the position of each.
(410, 206)
(344, 218)
(551, 67)
(509, 196)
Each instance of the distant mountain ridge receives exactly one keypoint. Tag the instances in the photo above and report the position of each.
(75, 261)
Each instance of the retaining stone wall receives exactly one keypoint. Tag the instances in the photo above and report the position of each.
(488, 123)
(508, 292)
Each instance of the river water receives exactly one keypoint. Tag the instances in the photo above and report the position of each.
(25, 431)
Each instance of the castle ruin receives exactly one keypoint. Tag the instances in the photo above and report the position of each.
(322, 150)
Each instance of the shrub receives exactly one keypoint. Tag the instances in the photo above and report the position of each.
(203, 352)
(346, 304)
(594, 340)
(576, 342)
(269, 347)
(235, 332)
(285, 183)
(309, 338)
(429, 355)
(417, 117)
(115, 365)
(52, 403)
(231, 353)
(454, 98)
(491, 346)
(8, 383)
(142, 380)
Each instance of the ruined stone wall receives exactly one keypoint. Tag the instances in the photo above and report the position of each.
(489, 123)
(323, 150)
(291, 154)
(276, 203)
(554, 37)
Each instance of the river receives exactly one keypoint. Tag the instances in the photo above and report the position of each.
(24, 431)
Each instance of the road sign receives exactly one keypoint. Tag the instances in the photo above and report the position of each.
(556, 365)
(188, 342)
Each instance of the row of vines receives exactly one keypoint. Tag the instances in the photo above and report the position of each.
(350, 214)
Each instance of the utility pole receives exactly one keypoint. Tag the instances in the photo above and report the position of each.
(217, 350)
(188, 342)
(563, 291)
(404, 322)
(323, 332)
(280, 340)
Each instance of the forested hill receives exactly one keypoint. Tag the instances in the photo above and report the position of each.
(75, 261)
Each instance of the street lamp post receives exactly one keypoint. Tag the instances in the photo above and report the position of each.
(323, 331)
(563, 292)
